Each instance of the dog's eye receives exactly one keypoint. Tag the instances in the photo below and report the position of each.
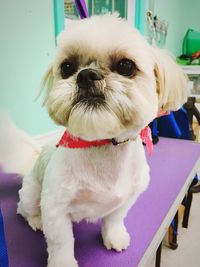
(67, 69)
(126, 67)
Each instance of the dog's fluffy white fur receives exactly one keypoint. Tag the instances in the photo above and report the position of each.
(67, 185)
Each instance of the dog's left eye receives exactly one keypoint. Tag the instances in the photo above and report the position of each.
(126, 67)
(68, 69)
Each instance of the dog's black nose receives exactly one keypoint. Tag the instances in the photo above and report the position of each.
(87, 77)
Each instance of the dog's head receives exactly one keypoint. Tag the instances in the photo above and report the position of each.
(106, 80)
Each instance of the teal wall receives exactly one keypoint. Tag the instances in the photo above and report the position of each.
(181, 15)
(27, 42)
(194, 13)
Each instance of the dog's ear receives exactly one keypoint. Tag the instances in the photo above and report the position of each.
(171, 82)
(46, 83)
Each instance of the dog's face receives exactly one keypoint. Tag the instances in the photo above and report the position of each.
(106, 80)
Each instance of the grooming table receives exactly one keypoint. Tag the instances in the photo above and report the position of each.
(174, 164)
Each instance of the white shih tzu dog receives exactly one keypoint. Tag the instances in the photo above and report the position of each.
(104, 86)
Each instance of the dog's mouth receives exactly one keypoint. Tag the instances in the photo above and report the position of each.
(89, 100)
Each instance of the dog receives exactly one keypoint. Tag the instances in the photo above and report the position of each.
(105, 85)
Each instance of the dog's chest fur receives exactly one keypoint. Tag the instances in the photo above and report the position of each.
(97, 181)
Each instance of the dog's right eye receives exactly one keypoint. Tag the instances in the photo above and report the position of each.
(68, 69)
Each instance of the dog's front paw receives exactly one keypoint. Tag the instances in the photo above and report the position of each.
(62, 262)
(35, 222)
(116, 238)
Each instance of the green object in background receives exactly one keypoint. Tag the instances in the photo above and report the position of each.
(188, 60)
(183, 61)
(191, 42)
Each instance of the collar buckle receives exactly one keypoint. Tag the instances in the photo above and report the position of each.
(115, 143)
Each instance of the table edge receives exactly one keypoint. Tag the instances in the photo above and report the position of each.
(158, 237)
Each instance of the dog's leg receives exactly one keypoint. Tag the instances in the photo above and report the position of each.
(114, 233)
(58, 231)
(29, 203)
(30, 193)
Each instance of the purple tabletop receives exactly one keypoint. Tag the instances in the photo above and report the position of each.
(171, 164)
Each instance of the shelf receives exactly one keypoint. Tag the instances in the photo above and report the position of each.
(190, 69)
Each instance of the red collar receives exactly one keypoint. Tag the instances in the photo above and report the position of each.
(69, 141)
